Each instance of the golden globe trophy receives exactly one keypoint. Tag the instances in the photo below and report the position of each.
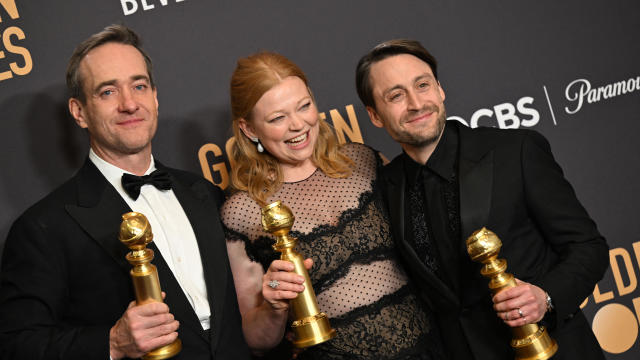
(310, 326)
(135, 233)
(530, 342)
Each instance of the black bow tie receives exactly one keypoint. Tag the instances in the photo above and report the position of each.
(132, 183)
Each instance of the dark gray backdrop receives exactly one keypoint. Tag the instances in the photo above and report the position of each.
(493, 55)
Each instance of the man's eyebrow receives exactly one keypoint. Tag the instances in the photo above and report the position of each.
(140, 77)
(417, 78)
(396, 87)
(103, 84)
(114, 81)
(423, 76)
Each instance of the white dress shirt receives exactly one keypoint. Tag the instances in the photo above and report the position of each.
(172, 234)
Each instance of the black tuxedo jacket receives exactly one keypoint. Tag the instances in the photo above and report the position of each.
(65, 280)
(510, 183)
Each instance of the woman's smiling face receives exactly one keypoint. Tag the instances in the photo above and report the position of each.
(285, 119)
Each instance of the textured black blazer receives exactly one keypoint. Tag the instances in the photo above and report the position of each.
(65, 280)
(510, 183)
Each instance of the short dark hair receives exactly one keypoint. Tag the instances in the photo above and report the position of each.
(381, 52)
(112, 33)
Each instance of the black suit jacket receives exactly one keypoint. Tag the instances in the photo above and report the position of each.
(510, 183)
(65, 280)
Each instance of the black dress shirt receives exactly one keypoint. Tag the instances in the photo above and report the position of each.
(432, 209)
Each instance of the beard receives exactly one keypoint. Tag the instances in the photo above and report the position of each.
(424, 137)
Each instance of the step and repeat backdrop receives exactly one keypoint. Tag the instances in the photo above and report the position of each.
(568, 69)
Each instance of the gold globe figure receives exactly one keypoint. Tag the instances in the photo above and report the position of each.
(310, 326)
(135, 233)
(530, 342)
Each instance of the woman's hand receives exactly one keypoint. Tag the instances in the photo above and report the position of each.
(280, 284)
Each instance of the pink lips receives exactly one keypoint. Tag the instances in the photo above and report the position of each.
(130, 121)
(420, 118)
(427, 113)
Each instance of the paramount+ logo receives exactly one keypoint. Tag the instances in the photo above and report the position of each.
(580, 92)
(132, 6)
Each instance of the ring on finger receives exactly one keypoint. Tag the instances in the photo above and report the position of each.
(506, 316)
(274, 284)
(520, 313)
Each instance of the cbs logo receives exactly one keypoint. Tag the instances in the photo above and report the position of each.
(505, 115)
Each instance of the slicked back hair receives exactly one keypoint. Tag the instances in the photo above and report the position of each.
(381, 52)
(111, 34)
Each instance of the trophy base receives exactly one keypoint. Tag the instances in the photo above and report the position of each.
(537, 346)
(312, 330)
(164, 352)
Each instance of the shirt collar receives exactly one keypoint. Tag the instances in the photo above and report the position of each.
(112, 173)
(443, 160)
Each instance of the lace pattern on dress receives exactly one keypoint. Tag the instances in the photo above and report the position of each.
(342, 225)
(391, 329)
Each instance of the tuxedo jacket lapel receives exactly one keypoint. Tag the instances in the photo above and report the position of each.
(395, 179)
(177, 300)
(98, 211)
(476, 184)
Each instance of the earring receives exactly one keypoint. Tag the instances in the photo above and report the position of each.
(258, 144)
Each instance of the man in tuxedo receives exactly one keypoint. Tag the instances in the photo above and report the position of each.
(450, 181)
(65, 289)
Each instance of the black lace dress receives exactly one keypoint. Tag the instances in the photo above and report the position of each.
(342, 225)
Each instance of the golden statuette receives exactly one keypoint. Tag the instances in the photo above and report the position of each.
(310, 326)
(135, 233)
(530, 342)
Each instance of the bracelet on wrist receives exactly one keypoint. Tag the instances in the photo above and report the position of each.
(550, 306)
